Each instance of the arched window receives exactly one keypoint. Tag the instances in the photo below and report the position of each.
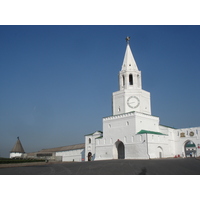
(89, 140)
(123, 80)
(130, 79)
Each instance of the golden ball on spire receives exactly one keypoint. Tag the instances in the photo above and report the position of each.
(128, 39)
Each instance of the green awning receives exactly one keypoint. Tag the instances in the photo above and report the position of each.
(190, 145)
(150, 132)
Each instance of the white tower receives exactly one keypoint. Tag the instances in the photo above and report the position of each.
(17, 150)
(131, 96)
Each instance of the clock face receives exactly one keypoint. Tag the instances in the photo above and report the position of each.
(191, 133)
(133, 102)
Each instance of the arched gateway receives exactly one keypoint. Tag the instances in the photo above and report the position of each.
(119, 150)
(189, 148)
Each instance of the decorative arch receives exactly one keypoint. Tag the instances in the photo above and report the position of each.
(189, 148)
(159, 152)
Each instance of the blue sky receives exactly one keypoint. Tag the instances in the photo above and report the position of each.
(56, 82)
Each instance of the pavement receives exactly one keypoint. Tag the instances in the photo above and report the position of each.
(170, 166)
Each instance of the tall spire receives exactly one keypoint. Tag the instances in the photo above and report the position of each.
(129, 61)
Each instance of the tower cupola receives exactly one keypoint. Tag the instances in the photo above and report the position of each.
(129, 76)
(131, 96)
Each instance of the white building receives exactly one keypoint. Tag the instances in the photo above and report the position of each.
(71, 153)
(131, 132)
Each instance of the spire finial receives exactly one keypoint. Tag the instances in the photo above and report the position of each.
(128, 39)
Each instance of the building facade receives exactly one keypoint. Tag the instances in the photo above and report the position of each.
(131, 132)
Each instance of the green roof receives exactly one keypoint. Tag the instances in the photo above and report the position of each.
(190, 145)
(150, 132)
(99, 137)
(94, 132)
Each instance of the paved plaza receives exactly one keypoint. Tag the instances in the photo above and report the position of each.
(173, 166)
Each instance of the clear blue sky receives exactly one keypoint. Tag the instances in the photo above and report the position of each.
(56, 82)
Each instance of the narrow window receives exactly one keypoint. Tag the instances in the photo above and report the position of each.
(123, 80)
(138, 80)
(130, 79)
(89, 140)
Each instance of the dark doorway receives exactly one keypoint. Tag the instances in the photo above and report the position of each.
(121, 152)
(89, 156)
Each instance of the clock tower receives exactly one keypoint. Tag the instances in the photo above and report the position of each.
(131, 96)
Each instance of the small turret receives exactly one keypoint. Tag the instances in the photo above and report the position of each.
(17, 150)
